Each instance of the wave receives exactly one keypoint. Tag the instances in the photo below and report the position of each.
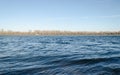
(59, 55)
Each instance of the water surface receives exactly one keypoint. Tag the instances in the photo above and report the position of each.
(60, 55)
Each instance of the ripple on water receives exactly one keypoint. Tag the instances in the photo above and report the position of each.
(59, 55)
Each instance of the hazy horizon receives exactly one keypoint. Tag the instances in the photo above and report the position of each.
(63, 15)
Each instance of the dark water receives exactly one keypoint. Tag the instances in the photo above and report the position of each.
(59, 55)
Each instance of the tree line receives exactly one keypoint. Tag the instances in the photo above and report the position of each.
(56, 32)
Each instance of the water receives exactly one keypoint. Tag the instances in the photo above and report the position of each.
(60, 55)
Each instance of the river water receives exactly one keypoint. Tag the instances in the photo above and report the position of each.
(59, 55)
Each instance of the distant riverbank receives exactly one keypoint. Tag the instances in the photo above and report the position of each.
(38, 32)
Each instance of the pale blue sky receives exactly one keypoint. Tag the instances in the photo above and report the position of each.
(73, 15)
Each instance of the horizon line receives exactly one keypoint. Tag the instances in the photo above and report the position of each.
(55, 30)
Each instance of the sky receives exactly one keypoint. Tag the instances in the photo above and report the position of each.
(65, 15)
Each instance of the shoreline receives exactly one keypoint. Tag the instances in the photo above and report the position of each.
(60, 33)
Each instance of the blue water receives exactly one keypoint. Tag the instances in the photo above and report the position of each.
(59, 55)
